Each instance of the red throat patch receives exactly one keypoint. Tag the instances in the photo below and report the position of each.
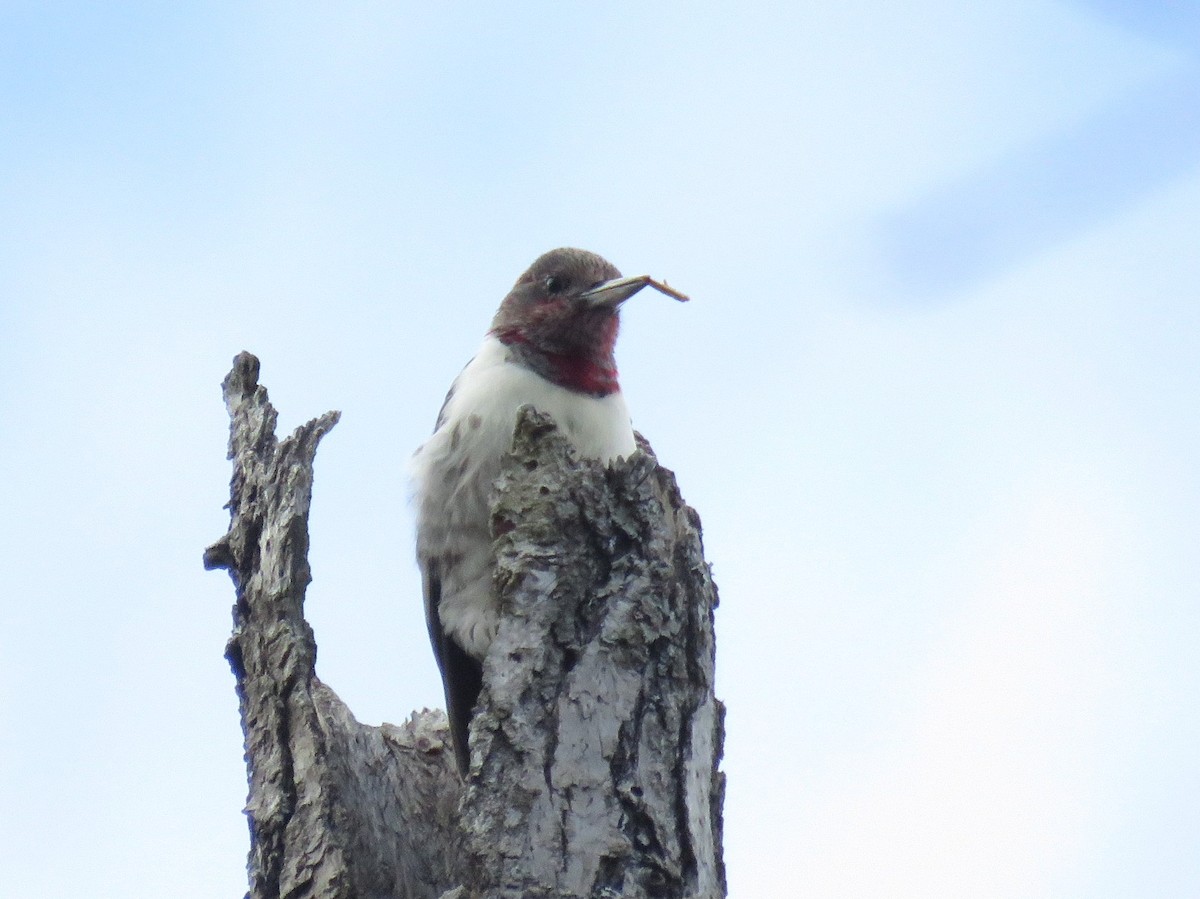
(592, 373)
(584, 375)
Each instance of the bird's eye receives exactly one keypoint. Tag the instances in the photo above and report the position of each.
(555, 284)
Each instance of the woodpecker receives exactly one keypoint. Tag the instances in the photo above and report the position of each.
(550, 346)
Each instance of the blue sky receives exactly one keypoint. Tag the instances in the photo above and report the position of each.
(935, 399)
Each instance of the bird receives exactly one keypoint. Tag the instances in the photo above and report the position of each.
(550, 346)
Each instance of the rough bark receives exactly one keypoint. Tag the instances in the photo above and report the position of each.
(597, 741)
(598, 730)
(337, 809)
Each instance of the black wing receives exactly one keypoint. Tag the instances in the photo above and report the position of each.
(462, 675)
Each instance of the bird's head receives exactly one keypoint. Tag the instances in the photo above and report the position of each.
(561, 319)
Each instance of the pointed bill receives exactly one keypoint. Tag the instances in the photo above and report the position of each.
(618, 290)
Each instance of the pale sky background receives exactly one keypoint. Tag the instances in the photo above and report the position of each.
(936, 400)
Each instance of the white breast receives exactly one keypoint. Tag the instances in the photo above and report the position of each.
(454, 471)
(494, 387)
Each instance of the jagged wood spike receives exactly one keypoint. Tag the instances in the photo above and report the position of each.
(337, 809)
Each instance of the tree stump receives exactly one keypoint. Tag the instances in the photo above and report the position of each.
(596, 743)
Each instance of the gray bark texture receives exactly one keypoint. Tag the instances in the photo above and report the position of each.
(596, 744)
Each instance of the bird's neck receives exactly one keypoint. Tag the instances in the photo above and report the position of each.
(589, 369)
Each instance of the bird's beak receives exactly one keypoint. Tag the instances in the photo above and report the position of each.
(611, 294)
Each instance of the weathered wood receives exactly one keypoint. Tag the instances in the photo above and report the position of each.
(596, 746)
(337, 809)
(599, 732)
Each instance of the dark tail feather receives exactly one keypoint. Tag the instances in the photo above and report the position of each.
(463, 678)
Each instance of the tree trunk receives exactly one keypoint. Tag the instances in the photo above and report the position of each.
(597, 738)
